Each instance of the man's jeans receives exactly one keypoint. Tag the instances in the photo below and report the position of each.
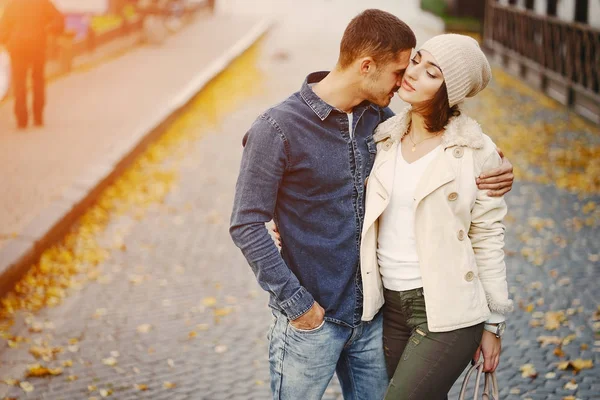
(303, 362)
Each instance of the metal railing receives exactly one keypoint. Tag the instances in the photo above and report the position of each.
(565, 51)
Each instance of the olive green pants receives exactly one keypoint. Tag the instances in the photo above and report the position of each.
(423, 365)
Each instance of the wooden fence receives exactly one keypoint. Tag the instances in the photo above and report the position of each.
(560, 58)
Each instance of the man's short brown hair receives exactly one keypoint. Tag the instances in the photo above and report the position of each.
(377, 34)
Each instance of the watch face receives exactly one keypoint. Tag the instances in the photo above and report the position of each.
(501, 328)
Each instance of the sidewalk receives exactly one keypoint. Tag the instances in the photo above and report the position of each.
(93, 118)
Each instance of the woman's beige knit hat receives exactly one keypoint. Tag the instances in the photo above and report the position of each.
(466, 69)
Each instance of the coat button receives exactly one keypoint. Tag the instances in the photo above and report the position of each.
(453, 196)
(461, 235)
(469, 276)
(458, 152)
(387, 145)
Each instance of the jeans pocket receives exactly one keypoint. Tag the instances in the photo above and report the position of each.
(271, 327)
(415, 339)
(306, 331)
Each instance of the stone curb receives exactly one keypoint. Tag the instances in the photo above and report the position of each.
(20, 253)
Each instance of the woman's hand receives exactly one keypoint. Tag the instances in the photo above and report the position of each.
(490, 347)
(276, 235)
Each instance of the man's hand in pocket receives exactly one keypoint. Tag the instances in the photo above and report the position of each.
(311, 319)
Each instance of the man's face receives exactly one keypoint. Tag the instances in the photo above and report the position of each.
(384, 80)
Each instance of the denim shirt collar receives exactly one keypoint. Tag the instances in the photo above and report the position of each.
(321, 108)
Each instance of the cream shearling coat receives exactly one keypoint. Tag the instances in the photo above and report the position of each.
(458, 228)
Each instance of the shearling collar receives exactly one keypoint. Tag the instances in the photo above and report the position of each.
(460, 131)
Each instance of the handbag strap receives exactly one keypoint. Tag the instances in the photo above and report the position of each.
(490, 380)
(490, 383)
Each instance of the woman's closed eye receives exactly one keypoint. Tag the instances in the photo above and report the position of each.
(414, 61)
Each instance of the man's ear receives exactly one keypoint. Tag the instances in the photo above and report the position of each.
(366, 65)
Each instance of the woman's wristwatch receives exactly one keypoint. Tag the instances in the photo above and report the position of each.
(496, 329)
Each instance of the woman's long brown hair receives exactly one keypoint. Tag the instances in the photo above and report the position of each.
(437, 111)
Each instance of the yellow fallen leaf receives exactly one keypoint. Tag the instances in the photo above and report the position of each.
(568, 339)
(72, 378)
(27, 387)
(221, 312)
(528, 371)
(92, 388)
(105, 392)
(558, 352)
(576, 365)
(136, 279)
(67, 363)
(38, 370)
(540, 302)
(571, 385)
(47, 353)
(100, 312)
(589, 207)
(144, 328)
(169, 385)
(10, 382)
(547, 340)
(534, 323)
(530, 308)
(209, 301)
(73, 348)
(36, 327)
(580, 364)
(554, 319)
(192, 335)
(220, 349)
(141, 386)
(110, 361)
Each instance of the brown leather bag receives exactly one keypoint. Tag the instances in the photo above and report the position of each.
(490, 384)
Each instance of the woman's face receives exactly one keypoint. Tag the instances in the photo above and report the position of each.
(422, 79)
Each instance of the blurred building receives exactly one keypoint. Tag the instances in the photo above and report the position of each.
(553, 44)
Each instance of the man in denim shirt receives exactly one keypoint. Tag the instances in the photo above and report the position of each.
(305, 165)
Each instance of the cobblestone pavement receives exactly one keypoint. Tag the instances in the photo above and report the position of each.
(174, 312)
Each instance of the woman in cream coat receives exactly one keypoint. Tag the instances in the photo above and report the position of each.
(432, 243)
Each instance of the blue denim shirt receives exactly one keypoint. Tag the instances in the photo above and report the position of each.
(301, 167)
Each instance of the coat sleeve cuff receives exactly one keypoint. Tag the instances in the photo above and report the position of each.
(496, 318)
(298, 304)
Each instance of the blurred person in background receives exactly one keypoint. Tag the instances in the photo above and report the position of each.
(24, 30)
